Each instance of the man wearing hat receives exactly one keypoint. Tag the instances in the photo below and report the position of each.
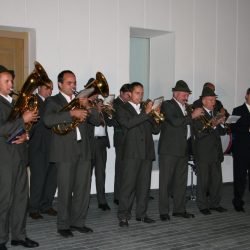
(208, 154)
(218, 104)
(173, 151)
(13, 173)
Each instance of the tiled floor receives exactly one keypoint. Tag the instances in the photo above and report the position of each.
(230, 230)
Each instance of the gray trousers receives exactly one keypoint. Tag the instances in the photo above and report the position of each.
(73, 180)
(99, 164)
(135, 182)
(118, 171)
(209, 185)
(42, 182)
(172, 181)
(13, 200)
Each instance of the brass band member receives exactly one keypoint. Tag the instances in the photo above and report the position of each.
(138, 154)
(13, 173)
(241, 152)
(43, 173)
(173, 152)
(218, 104)
(118, 134)
(209, 155)
(72, 156)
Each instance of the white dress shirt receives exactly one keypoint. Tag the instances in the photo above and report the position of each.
(8, 98)
(183, 109)
(68, 99)
(137, 107)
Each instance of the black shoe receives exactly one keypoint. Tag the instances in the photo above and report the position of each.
(50, 211)
(239, 209)
(183, 215)
(116, 201)
(205, 211)
(3, 247)
(164, 217)
(35, 216)
(25, 243)
(145, 220)
(81, 229)
(123, 223)
(151, 197)
(104, 207)
(65, 233)
(219, 209)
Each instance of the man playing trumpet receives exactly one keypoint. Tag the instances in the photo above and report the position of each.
(173, 151)
(138, 154)
(209, 155)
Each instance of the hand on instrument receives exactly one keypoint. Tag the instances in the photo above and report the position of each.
(20, 139)
(216, 122)
(148, 107)
(84, 102)
(80, 114)
(30, 116)
(197, 113)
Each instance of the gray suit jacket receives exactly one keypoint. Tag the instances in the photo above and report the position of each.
(40, 135)
(137, 141)
(173, 137)
(118, 133)
(241, 133)
(207, 143)
(62, 145)
(10, 152)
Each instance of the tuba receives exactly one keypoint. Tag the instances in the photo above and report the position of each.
(26, 100)
(97, 86)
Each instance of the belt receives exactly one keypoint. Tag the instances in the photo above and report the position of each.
(99, 137)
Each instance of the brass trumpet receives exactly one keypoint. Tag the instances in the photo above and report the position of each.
(206, 122)
(158, 116)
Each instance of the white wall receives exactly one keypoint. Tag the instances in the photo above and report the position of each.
(211, 41)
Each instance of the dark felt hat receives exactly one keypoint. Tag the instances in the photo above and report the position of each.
(181, 86)
(206, 91)
(3, 69)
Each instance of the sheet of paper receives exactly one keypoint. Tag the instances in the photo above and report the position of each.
(232, 119)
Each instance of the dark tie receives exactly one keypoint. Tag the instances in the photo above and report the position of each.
(211, 113)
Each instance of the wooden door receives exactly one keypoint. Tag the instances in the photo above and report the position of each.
(14, 54)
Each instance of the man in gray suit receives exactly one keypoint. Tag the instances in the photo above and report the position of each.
(209, 155)
(99, 141)
(13, 173)
(43, 173)
(72, 156)
(173, 152)
(138, 154)
(118, 134)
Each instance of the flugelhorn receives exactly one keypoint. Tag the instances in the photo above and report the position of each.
(97, 86)
(158, 116)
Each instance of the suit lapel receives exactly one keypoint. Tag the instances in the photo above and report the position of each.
(177, 107)
(130, 108)
(3, 100)
(246, 109)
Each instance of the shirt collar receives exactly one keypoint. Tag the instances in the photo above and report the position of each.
(67, 97)
(8, 98)
(248, 106)
(42, 97)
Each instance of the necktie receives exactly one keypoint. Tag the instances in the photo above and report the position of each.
(211, 113)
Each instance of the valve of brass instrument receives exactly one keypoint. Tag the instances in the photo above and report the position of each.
(155, 108)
